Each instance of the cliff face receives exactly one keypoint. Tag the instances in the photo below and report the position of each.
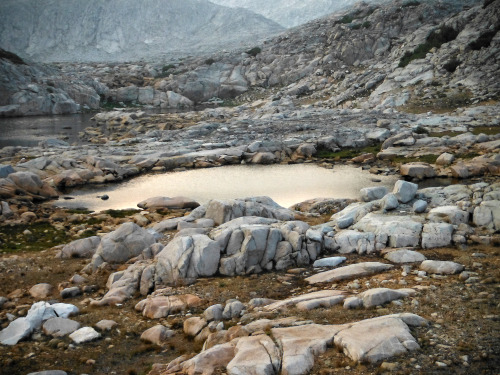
(118, 30)
(289, 13)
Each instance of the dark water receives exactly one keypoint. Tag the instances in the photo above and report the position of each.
(28, 131)
(286, 184)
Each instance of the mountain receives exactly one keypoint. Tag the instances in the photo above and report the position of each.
(289, 13)
(120, 30)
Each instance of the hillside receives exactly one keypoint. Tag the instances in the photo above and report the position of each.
(121, 30)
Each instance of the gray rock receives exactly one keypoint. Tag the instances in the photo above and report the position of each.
(84, 248)
(16, 331)
(187, 258)
(255, 354)
(436, 235)
(49, 372)
(445, 159)
(232, 309)
(404, 256)
(106, 324)
(405, 191)
(157, 335)
(441, 267)
(349, 272)
(59, 327)
(419, 206)
(488, 214)
(379, 296)
(417, 170)
(372, 193)
(166, 202)
(353, 303)
(213, 312)
(450, 214)
(128, 241)
(41, 291)
(329, 262)
(84, 335)
(71, 292)
(5, 170)
(5, 210)
(389, 202)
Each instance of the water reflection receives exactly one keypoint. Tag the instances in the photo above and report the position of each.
(28, 131)
(286, 184)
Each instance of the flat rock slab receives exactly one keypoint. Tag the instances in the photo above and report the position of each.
(166, 202)
(59, 327)
(379, 296)
(84, 334)
(162, 306)
(314, 296)
(349, 272)
(404, 256)
(329, 262)
(255, 355)
(49, 372)
(16, 331)
(374, 340)
(441, 267)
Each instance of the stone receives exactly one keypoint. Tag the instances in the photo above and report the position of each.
(376, 339)
(157, 335)
(193, 326)
(405, 191)
(349, 272)
(59, 327)
(436, 235)
(187, 258)
(451, 214)
(16, 331)
(105, 325)
(380, 296)
(65, 310)
(5, 170)
(301, 344)
(162, 306)
(326, 297)
(395, 231)
(128, 241)
(30, 184)
(445, 159)
(441, 267)
(487, 214)
(372, 193)
(255, 355)
(84, 248)
(74, 291)
(49, 372)
(419, 206)
(157, 203)
(84, 335)
(389, 202)
(404, 256)
(41, 291)
(232, 309)
(417, 170)
(329, 262)
(213, 312)
(207, 361)
(353, 303)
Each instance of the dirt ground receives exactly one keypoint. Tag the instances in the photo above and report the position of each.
(464, 334)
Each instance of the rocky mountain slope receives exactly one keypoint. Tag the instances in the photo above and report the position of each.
(289, 13)
(118, 30)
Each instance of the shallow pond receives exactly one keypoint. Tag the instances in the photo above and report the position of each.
(286, 184)
(28, 131)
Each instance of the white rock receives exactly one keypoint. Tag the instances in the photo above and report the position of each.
(404, 256)
(436, 235)
(405, 191)
(441, 267)
(84, 334)
(329, 262)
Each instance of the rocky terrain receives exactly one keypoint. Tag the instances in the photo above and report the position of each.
(403, 280)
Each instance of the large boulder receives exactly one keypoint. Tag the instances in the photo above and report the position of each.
(405, 191)
(450, 214)
(156, 203)
(255, 355)
(417, 170)
(127, 242)
(396, 231)
(222, 211)
(84, 248)
(488, 214)
(436, 235)
(187, 258)
(26, 183)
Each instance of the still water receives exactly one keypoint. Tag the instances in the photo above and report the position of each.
(286, 184)
(28, 131)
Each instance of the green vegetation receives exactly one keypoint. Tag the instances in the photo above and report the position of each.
(435, 39)
(209, 61)
(254, 51)
(166, 68)
(348, 18)
(83, 211)
(42, 236)
(347, 153)
(121, 213)
(488, 130)
(366, 24)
